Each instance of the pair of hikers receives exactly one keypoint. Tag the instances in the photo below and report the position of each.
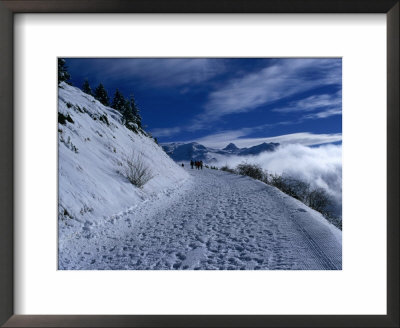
(198, 164)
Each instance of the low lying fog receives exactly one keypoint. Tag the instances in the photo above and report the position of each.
(320, 166)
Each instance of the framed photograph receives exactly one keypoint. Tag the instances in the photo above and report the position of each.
(205, 188)
(211, 164)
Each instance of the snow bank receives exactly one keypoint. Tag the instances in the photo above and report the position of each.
(93, 149)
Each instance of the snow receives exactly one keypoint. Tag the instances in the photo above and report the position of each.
(92, 160)
(215, 221)
(182, 218)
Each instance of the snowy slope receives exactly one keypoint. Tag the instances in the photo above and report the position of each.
(216, 221)
(93, 151)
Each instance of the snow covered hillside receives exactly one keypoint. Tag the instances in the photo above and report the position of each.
(94, 149)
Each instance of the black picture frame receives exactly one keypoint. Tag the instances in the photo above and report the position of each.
(10, 7)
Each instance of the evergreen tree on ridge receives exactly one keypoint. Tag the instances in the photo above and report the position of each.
(135, 111)
(86, 88)
(100, 93)
(118, 101)
(63, 75)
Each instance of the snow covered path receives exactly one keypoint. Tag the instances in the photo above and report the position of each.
(217, 220)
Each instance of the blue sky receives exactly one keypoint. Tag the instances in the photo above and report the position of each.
(216, 101)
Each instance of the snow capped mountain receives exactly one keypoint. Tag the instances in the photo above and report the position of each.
(94, 148)
(179, 151)
(255, 150)
(231, 147)
(185, 152)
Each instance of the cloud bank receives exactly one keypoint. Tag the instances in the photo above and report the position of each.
(221, 139)
(320, 166)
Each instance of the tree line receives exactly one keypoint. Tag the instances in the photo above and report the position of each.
(126, 106)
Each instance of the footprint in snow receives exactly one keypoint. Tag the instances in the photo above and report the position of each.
(181, 256)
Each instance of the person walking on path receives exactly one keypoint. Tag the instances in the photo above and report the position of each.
(201, 164)
(191, 163)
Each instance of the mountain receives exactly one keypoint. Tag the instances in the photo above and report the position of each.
(179, 151)
(186, 151)
(258, 149)
(231, 147)
(94, 148)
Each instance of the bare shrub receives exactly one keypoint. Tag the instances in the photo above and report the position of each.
(226, 168)
(252, 170)
(318, 200)
(301, 189)
(266, 177)
(296, 188)
(315, 198)
(136, 171)
(276, 181)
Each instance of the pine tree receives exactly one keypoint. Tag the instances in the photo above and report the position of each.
(129, 118)
(118, 101)
(86, 88)
(63, 75)
(100, 93)
(135, 111)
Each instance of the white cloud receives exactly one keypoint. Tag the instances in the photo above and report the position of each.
(221, 139)
(324, 113)
(320, 166)
(285, 78)
(306, 138)
(321, 102)
(159, 72)
(165, 132)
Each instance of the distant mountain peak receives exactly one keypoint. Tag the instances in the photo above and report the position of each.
(195, 151)
(259, 148)
(231, 146)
